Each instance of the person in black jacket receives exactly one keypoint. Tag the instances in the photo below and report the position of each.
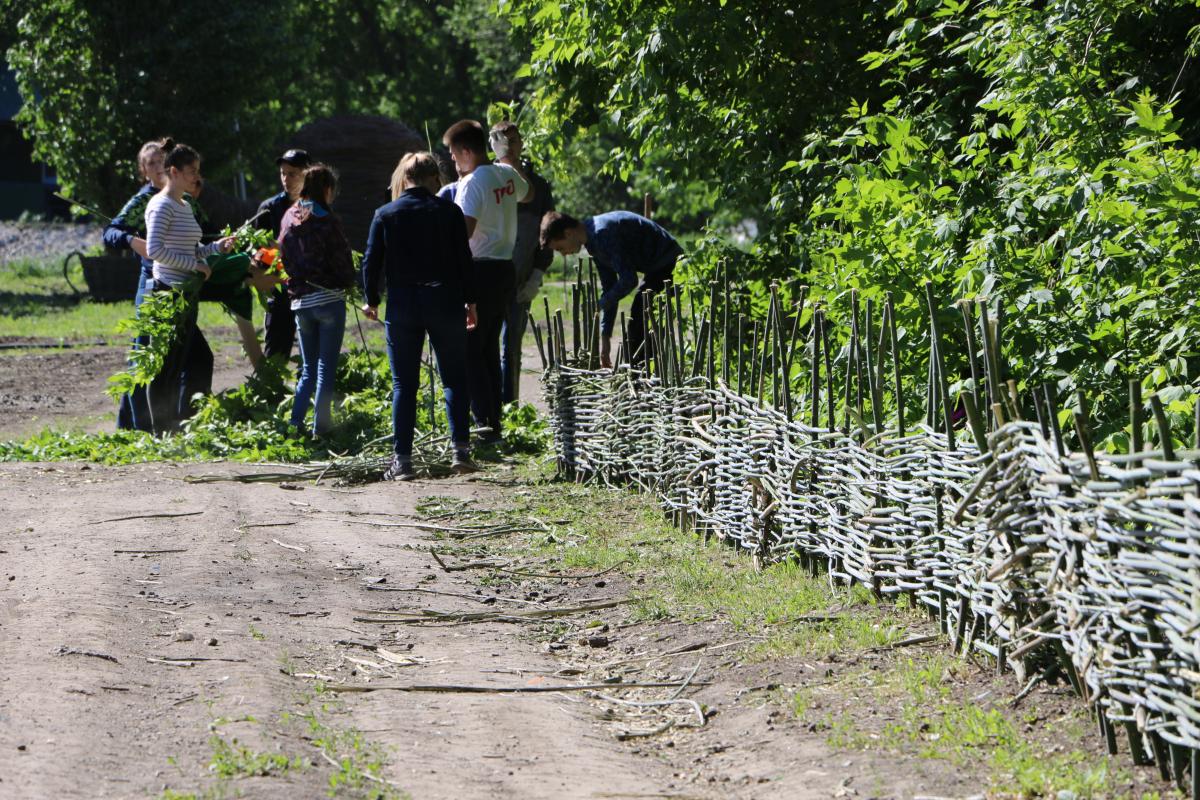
(280, 323)
(418, 242)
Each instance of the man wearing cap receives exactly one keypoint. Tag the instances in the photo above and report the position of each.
(280, 323)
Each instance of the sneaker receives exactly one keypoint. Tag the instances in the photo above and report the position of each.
(462, 464)
(399, 471)
(491, 436)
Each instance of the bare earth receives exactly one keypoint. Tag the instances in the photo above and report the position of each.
(132, 650)
(65, 388)
(98, 697)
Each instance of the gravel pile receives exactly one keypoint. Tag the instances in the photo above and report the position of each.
(42, 240)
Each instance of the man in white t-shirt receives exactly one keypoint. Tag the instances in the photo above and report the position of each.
(488, 195)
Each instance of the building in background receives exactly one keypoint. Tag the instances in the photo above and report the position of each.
(26, 186)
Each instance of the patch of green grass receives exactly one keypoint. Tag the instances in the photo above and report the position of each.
(231, 759)
(935, 726)
(358, 763)
(256, 634)
(692, 579)
(36, 301)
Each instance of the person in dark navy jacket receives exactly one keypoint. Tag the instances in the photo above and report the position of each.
(418, 245)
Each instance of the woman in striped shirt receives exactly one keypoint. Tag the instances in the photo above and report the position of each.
(320, 268)
(173, 244)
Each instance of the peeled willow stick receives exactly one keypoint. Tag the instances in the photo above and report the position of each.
(754, 361)
(935, 332)
(899, 387)
(741, 349)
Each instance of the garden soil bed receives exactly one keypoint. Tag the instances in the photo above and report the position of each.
(51, 387)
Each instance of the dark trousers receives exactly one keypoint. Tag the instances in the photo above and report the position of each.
(510, 355)
(412, 312)
(133, 411)
(495, 285)
(279, 325)
(186, 371)
(652, 283)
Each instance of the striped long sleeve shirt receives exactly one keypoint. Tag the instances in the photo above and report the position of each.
(173, 240)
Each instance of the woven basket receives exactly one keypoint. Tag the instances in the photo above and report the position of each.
(111, 278)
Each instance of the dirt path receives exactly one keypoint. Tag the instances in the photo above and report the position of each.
(138, 670)
(65, 388)
(196, 654)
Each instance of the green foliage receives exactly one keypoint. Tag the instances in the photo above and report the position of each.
(1037, 155)
(234, 760)
(156, 323)
(98, 80)
(249, 423)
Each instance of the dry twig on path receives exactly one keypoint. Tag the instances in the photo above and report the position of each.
(149, 516)
(430, 615)
(74, 651)
(468, 689)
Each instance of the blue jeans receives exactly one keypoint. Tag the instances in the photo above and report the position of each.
(133, 412)
(413, 311)
(321, 329)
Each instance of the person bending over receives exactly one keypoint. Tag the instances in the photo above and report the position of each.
(418, 244)
(622, 244)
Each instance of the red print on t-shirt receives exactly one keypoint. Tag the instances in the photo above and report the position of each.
(507, 188)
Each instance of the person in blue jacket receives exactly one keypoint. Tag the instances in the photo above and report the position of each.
(622, 245)
(127, 231)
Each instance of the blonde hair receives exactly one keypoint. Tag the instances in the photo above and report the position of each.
(413, 170)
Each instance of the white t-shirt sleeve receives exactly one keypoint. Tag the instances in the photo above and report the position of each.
(472, 196)
(520, 184)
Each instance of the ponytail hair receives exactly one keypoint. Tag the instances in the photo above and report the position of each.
(178, 155)
(149, 150)
(318, 180)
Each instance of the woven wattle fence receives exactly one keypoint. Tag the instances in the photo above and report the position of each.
(1051, 562)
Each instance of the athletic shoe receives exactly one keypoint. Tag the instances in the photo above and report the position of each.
(462, 465)
(399, 471)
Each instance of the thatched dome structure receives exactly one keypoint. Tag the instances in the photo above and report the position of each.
(364, 150)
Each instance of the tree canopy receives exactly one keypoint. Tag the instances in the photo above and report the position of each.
(234, 79)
